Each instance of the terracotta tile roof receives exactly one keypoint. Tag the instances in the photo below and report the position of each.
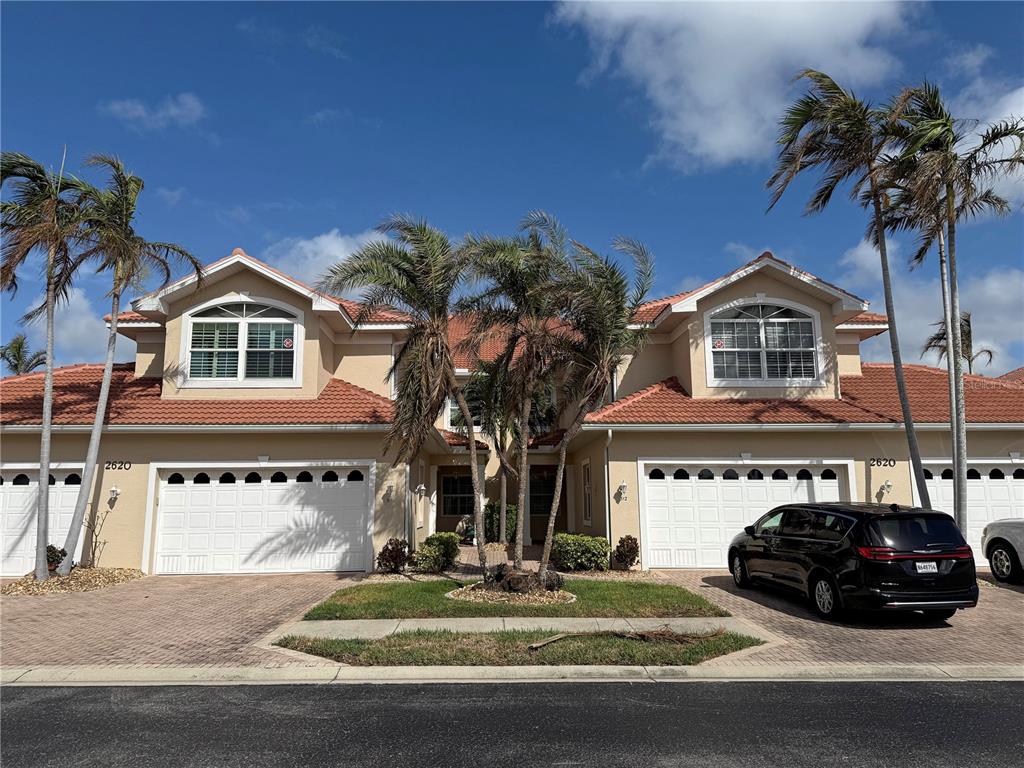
(459, 329)
(869, 398)
(128, 317)
(137, 401)
(866, 318)
(456, 440)
(1015, 377)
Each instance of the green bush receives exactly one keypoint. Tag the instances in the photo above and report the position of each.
(492, 522)
(429, 558)
(447, 546)
(571, 552)
(627, 553)
(393, 556)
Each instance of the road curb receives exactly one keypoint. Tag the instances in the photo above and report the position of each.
(333, 674)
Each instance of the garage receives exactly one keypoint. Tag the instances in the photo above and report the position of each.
(19, 490)
(995, 491)
(277, 519)
(690, 512)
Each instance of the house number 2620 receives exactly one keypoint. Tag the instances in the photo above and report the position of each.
(883, 463)
(118, 465)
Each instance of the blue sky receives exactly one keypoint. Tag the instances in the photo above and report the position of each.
(291, 130)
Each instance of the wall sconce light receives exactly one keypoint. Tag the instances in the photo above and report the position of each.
(263, 460)
(885, 488)
(421, 490)
(621, 492)
(114, 493)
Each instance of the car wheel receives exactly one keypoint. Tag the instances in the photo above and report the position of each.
(939, 614)
(1004, 562)
(739, 571)
(825, 598)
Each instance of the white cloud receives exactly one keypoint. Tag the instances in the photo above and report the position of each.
(989, 101)
(308, 258)
(169, 196)
(182, 110)
(744, 252)
(968, 61)
(79, 333)
(718, 75)
(994, 299)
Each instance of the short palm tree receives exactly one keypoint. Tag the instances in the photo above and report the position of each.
(937, 343)
(18, 358)
(108, 220)
(41, 216)
(419, 271)
(831, 131)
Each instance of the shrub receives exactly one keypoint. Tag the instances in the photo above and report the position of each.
(627, 552)
(428, 558)
(393, 556)
(54, 555)
(492, 521)
(447, 546)
(571, 552)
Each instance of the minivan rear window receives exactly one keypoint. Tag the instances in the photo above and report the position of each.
(914, 532)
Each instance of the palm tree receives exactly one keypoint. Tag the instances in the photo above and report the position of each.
(108, 218)
(418, 271)
(955, 167)
(832, 131)
(42, 215)
(600, 308)
(937, 343)
(18, 358)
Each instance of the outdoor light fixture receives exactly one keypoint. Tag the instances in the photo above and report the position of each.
(622, 491)
(886, 487)
(114, 493)
(421, 490)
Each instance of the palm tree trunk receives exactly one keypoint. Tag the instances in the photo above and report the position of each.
(524, 472)
(563, 449)
(43, 500)
(897, 357)
(93, 451)
(947, 316)
(503, 508)
(960, 431)
(478, 510)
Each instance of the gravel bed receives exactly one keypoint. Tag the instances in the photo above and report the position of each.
(79, 580)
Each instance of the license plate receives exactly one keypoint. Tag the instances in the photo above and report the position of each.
(927, 567)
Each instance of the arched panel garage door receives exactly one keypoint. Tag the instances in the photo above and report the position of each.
(692, 511)
(19, 490)
(995, 491)
(263, 520)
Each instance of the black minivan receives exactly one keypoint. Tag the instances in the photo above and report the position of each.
(860, 556)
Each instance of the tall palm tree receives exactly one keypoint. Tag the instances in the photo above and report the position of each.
(844, 138)
(937, 343)
(956, 167)
(600, 306)
(416, 270)
(108, 220)
(522, 296)
(41, 216)
(18, 358)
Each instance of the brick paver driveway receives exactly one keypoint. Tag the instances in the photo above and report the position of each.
(991, 633)
(160, 620)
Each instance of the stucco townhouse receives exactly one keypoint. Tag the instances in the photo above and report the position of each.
(247, 435)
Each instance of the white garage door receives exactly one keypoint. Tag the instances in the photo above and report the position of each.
(263, 520)
(693, 512)
(19, 490)
(994, 492)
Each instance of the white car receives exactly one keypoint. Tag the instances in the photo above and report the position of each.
(1002, 542)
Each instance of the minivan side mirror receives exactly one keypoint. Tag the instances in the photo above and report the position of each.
(749, 530)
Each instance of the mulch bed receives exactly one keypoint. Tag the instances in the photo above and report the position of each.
(79, 580)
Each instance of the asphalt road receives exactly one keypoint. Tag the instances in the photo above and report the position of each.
(903, 725)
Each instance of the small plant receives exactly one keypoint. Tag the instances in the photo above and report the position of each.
(393, 556)
(627, 552)
(55, 556)
(492, 521)
(447, 544)
(572, 552)
(429, 558)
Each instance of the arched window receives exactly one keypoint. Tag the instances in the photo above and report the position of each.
(253, 477)
(1018, 474)
(763, 342)
(730, 474)
(53, 480)
(355, 476)
(780, 474)
(947, 474)
(828, 474)
(201, 479)
(304, 477)
(176, 479)
(928, 474)
(330, 476)
(973, 474)
(803, 474)
(279, 477)
(656, 474)
(20, 479)
(73, 479)
(1, 479)
(705, 474)
(996, 474)
(680, 474)
(755, 474)
(241, 341)
(227, 479)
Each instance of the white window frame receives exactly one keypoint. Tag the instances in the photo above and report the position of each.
(588, 498)
(451, 404)
(239, 381)
(709, 365)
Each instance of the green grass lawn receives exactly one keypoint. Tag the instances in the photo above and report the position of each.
(509, 648)
(595, 598)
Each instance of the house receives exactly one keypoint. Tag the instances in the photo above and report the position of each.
(247, 435)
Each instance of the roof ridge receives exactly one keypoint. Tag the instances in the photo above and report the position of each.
(670, 383)
(362, 390)
(62, 369)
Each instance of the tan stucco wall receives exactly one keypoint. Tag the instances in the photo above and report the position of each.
(654, 363)
(365, 364)
(124, 528)
(149, 357)
(848, 354)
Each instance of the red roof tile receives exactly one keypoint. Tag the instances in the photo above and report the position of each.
(1015, 377)
(869, 398)
(867, 318)
(137, 401)
(456, 440)
(128, 317)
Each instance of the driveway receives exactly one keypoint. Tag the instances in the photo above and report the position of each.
(991, 633)
(160, 620)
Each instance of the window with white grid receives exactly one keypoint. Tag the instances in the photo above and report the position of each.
(242, 342)
(763, 342)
